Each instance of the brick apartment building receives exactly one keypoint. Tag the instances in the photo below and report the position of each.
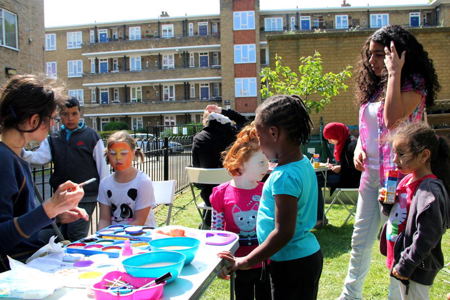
(21, 37)
(164, 71)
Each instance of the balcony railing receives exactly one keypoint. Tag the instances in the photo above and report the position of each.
(152, 69)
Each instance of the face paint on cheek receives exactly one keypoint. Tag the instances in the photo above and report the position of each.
(120, 156)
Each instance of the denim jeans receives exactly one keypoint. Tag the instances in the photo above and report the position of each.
(367, 225)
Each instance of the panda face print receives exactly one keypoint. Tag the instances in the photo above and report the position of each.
(123, 212)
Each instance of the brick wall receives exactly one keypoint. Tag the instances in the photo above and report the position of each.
(339, 49)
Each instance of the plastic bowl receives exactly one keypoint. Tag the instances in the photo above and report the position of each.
(103, 293)
(155, 264)
(186, 245)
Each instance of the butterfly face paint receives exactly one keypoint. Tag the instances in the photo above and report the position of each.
(120, 156)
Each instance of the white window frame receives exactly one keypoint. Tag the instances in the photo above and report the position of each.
(116, 95)
(192, 91)
(115, 65)
(169, 92)
(215, 89)
(245, 87)
(168, 61)
(379, 20)
(191, 60)
(341, 22)
(199, 59)
(137, 123)
(75, 68)
(102, 61)
(191, 29)
(273, 24)
(93, 95)
(136, 93)
(204, 85)
(78, 94)
(202, 24)
(414, 14)
(50, 41)
(292, 23)
(244, 53)
(92, 65)
(214, 28)
(135, 63)
(244, 20)
(92, 36)
(134, 33)
(3, 35)
(103, 122)
(167, 31)
(74, 39)
(115, 34)
(170, 120)
(215, 58)
(302, 18)
(51, 66)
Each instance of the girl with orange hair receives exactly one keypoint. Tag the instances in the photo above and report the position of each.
(235, 205)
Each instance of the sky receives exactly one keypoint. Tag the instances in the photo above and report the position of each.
(73, 12)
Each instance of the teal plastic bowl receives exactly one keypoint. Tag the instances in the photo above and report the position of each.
(155, 264)
(186, 245)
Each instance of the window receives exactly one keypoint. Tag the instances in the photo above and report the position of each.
(51, 69)
(204, 60)
(204, 91)
(50, 41)
(245, 87)
(136, 94)
(216, 58)
(215, 90)
(115, 34)
(191, 29)
(341, 21)
(137, 123)
(243, 20)
(103, 35)
(273, 24)
(414, 19)
(191, 60)
(103, 122)
(379, 20)
(92, 36)
(103, 65)
(78, 94)
(104, 96)
(203, 28)
(292, 24)
(168, 61)
(167, 30)
(92, 64)
(192, 91)
(317, 21)
(215, 28)
(135, 63)
(74, 68)
(94, 95)
(305, 22)
(244, 54)
(74, 39)
(263, 55)
(135, 33)
(168, 92)
(170, 120)
(8, 29)
(116, 97)
(115, 65)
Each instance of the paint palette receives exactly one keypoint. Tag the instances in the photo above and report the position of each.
(125, 232)
(220, 238)
(113, 248)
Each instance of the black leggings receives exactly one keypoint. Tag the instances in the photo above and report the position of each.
(252, 284)
(296, 279)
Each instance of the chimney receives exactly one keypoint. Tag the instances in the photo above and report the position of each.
(345, 4)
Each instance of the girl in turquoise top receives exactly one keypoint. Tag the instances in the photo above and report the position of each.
(288, 207)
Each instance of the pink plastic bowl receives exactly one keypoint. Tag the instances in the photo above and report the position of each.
(102, 293)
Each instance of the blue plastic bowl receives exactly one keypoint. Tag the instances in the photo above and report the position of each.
(186, 245)
(155, 264)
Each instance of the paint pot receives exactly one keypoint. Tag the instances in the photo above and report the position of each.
(134, 230)
(112, 249)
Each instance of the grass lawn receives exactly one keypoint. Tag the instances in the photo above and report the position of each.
(335, 242)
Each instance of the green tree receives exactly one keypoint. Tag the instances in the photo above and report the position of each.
(315, 87)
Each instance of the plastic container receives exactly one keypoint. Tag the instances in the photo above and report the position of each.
(316, 160)
(152, 292)
(155, 264)
(186, 245)
(391, 186)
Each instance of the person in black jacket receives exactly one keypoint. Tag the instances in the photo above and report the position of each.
(218, 133)
(342, 174)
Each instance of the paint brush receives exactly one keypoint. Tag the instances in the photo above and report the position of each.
(87, 182)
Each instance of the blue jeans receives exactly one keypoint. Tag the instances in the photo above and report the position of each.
(367, 225)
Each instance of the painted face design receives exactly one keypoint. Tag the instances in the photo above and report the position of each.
(120, 156)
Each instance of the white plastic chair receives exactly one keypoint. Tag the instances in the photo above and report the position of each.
(345, 196)
(205, 176)
(164, 193)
